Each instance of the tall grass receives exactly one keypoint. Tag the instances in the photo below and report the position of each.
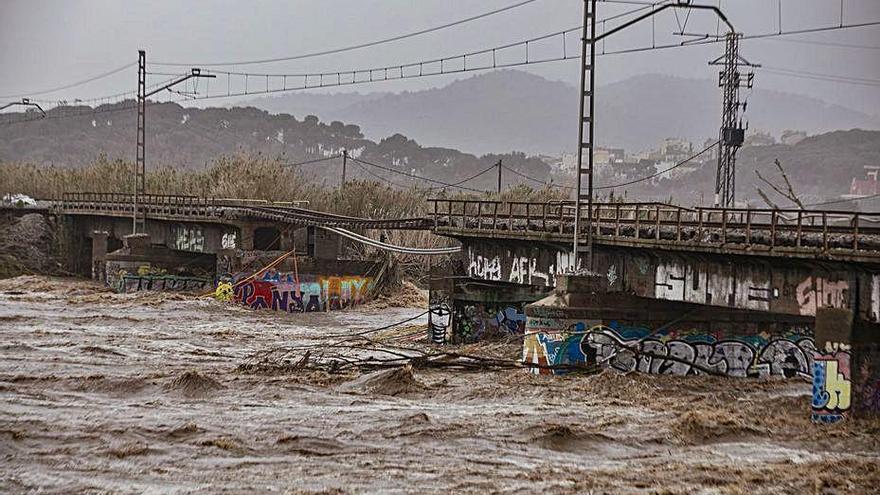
(241, 177)
(250, 177)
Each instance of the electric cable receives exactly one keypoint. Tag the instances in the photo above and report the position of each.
(649, 177)
(414, 176)
(309, 162)
(351, 47)
(390, 247)
(456, 184)
(539, 181)
(72, 85)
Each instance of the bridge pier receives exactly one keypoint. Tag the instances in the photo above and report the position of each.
(99, 255)
(846, 370)
(583, 323)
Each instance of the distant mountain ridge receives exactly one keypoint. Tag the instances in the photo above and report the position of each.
(515, 110)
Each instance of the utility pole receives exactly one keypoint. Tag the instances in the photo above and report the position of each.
(139, 221)
(344, 164)
(499, 176)
(585, 142)
(732, 133)
(586, 114)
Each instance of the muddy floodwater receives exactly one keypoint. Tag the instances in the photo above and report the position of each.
(145, 393)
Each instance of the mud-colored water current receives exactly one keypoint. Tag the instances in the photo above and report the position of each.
(143, 393)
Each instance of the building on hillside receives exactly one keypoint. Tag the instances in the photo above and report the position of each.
(675, 149)
(791, 138)
(868, 186)
(759, 138)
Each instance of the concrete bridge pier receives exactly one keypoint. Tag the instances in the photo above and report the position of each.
(585, 323)
(846, 367)
(99, 254)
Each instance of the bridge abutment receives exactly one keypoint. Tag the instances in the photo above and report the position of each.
(99, 254)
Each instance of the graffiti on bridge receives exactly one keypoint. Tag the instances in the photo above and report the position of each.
(439, 316)
(188, 238)
(478, 321)
(283, 292)
(170, 283)
(832, 384)
(667, 352)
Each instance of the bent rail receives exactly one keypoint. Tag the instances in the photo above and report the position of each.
(753, 231)
(192, 208)
(393, 247)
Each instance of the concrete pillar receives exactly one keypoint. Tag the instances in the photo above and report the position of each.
(228, 264)
(846, 367)
(137, 243)
(99, 255)
(247, 237)
(286, 243)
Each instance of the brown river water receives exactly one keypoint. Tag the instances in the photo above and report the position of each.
(143, 393)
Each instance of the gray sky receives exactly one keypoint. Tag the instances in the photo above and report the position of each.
(44, 44)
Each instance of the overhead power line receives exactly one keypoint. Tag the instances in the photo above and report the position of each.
(419, 177)
(479, 60)
(539, 181)
(827, 43)
(72, 85)
(63, 109)
(456, 184)
(352, 47)
(309, 162)
(406, 71)
(613, 186)
(379, 177)
(649, 177)
(822, 77)
(851, 200)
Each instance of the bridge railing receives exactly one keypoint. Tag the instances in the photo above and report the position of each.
(149, 204)
(816, 230)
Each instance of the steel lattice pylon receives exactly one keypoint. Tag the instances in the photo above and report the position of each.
(585, 139)
(139, 220)
(732, 133)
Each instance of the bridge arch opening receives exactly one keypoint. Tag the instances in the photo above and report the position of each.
(267, 239)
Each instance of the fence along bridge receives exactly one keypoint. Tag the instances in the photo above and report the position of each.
(215, 210)
(815, 234)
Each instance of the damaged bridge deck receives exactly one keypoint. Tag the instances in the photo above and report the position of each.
(213, 210)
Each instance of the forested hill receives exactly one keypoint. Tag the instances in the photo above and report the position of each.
(187, 137)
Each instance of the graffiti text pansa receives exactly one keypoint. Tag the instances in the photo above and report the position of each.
(317, 294)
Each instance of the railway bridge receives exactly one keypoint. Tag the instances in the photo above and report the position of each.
(741, 292)
(673, 290)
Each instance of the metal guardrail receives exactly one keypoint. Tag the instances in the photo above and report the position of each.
(814, 230)
(192, 208)
(149, 204)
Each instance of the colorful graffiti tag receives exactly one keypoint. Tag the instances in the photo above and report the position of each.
(477, 321)
(669, 352)
(439, 317)
(306, 293)
(831, 383)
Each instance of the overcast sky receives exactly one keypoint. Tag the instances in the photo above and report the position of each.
(45, 44)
